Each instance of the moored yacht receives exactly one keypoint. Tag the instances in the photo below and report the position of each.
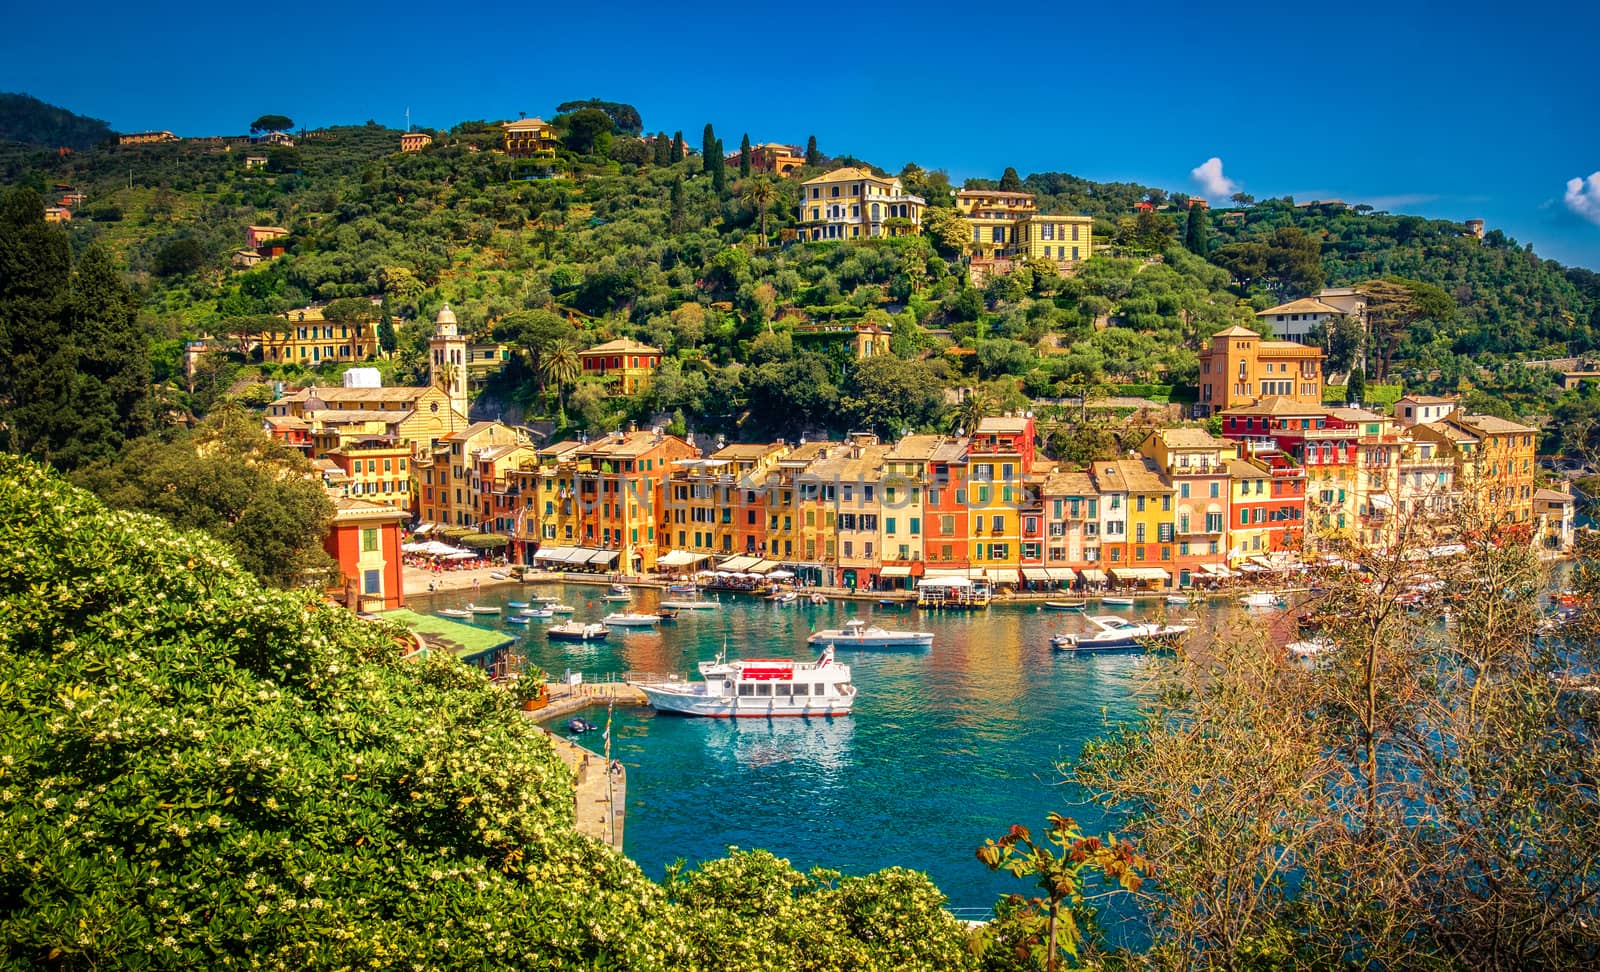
(756, 688)
(1116, 634)
(859, 634)
(630, 620)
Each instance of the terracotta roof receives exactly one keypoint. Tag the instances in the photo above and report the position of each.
(1432, 399)
(1191, 438)
(1236, 331)
(915, 448)
(849, 173)
(525, 125)
(1004, 423)
(461, 435)
(631, 444)
(1552, 496)
(621, 345)
(1347, 414)
(338, 393)
(1244, 469)
(746, 450)
(1142, 476)
(806, 452)
(1493, 425)
(350, 508)
(1276, 405)
(1075, 482)
(1305, 305)
(355, 416)
(1290, 347)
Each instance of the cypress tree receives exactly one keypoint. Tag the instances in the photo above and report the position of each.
(677, 147)
(744, 157)
(1010, 181)
(719, 171)
(1195, 235)
(112, 351)
(675, 207)
(1356, 388)
(813, 157)
(663, 149)
(710, 156)
(39, 375)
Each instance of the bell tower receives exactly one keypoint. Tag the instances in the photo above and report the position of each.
(447, 359)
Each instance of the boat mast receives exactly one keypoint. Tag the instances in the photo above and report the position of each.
(611, 776)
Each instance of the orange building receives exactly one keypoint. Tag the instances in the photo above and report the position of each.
(365, 540)
(1241, 369)
(773, 159)
(624, 364)
(377, 469)
(415, 141)
(947, 537)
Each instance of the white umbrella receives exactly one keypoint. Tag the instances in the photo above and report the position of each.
(780, 574)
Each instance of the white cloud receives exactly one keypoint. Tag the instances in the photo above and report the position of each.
(1213, 184)
(1583, 197)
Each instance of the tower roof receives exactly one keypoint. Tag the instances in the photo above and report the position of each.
(446, 315)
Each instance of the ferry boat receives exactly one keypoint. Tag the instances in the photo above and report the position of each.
(1116, 634)
(858, 634)
(577, 631)
(630, 620)
(756, 688)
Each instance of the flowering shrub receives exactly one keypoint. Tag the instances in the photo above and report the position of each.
(196, 772)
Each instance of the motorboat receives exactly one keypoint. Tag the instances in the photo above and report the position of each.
(578, 725)
(1182, 600)
(818, 599)
(889, 602)
(695, 605)
(455, 612)
(784, 597)
(683, 589)
(519, 605)
(559, 608)
(1117, 600)
(630, 620)
(669, 614)
(1263, 599)
(517, 619)
(1117, 634)
(618, 592)
(756, 688)
(497, 575)
(1071, 604)
(543, 598)
(1310, 653)
(483, 609)
(539, 613)
(858, 634)
(577, 631)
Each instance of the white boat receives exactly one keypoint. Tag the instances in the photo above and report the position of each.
(1071, 604)
(1263, 599)
(497, 575)
(785, 597)
(818, 599)
(630, 620)
(618, 592)
(757, 688)
(517, 619)
(1181, 599)
(859, 634)
(558, 608)
(1116, 601)
(540, 613)
(1116, 634)
(519, 605)
(483, 609)
(692, 605)
(1311, 653)
(577, 631)
(455, 613)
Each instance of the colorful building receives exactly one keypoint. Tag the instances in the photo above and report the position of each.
(415, 141)
(771, 158)
(625, 365)
(306, 337)
(529, 138)
(364, 538)
(852, 204)
(1239, 368)
(1008, 225)
(1195, 465)
(376, 469)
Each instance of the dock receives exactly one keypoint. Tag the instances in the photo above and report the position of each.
(600, 798)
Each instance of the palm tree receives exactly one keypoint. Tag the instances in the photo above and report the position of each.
(760, 194)
(972, 410)
(559, 365)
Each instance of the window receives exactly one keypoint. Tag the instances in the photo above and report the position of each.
(1183, 490)
(369, 540)
(372, 582)
(999, 524)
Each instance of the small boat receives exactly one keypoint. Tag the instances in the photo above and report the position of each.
(543, 598)
(559, 608)
(455, 613)
(577, 631)
(630, 620)
(497, 575)
(858, 634)
(784, 597)
(1072, 604)
(517, 619)
(519, 605)
(691, 605)
(757, 688)
(1263, 599)
(618, 592)
(1311, 653)
(818, 599)
(483, 609)
(1117, 634)
(890, 602)
(539, 613)
(1117, 601)
(1181, 599)
(669, 614)
(683, 589)
(579, 726)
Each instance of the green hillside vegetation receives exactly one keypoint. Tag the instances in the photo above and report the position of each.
(624, 242)
(28, 120)
(199, 773)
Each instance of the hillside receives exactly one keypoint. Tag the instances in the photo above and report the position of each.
(28, 120)
(628, 243)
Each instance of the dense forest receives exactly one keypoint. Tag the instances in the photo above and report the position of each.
(622, 235)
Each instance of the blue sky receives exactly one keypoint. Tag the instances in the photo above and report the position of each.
(1447, 110)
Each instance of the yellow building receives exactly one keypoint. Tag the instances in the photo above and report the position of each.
(788, 535)
(452, 486)
(624, 364)
(306, 337)
(415, 141)
(377, 470)
(484, 361)
(1149, 534)
(1495, 465)
(334, 416)
(905, 481)
(530, 138)
(1195, 464)
(859, 509)
(853, 204)
(1239, 368)
(1008, 225)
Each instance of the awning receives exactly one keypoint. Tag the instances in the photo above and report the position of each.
(1005, 575)
(1065, 575)
(933, 572)
(1263, 561)
(895, 571)
(738, 563)
(597, 556)
(423, 528)
(562, 555)
(1036, 574)
(1139, 573)
(1216, 570)
(1093, 576)
(945, 581)
(762, 566)
(1380, 501)
(680, 558)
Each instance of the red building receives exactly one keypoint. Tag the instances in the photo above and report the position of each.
(365, 540)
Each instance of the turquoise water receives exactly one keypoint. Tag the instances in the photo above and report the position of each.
(947, 746)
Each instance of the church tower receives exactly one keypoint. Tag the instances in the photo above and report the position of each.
(447, 360)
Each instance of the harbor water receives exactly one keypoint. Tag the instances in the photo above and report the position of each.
(947, 745)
